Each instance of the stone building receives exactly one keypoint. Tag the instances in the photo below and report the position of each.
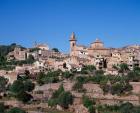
(95, 54)
(102, 57)
(17, 54)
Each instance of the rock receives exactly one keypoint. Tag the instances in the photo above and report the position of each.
(59, 108)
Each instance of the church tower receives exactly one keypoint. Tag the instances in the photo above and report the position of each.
(72, 43)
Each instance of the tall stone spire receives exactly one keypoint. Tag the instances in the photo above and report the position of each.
(72, 38)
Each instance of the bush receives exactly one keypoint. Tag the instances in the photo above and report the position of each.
(91, 109)
(2, 108)
(16, 110)
(78, 86)
(126, 108)
(24, 97)
(86, 101)
(88, 69)
(53, 102)
(67, 74)
(58, 92)
(65, 99)
(28, 86)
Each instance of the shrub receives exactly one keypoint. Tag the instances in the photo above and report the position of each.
(65, 99)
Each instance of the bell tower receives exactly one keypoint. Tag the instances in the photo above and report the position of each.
(72, 42)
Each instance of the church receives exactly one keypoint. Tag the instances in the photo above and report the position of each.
(95, 54)
(96, 48)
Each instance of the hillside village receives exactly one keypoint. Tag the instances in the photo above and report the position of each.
(92, 79)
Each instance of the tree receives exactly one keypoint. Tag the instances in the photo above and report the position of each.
(78, 86)
(40, 77)
(20, 90)
(24, 97)
(133, 76)
(91, 109)
(2, 108)
(67, 74)
(52, 102)
(16, 110)
(55, 49)
(3, 84)
(123, 68)
(28, 86)
(17, 87)
(86, 101)
(88, 69)
(126, 108)
(136, 69)
(58, 92)
(65, 99)
(30, 59)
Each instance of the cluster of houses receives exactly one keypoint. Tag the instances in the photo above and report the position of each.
(103, 58)
(96, 54)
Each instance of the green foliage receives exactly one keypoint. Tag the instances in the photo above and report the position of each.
(53, 102)
(16, 110)
(3, 84)
(91, 109)
(34, 49)
(123, 68)
(122, 108)
(55, 49)
(81, 79)
(137, 70)
(99, 72)
(4, 50)
(67, 74)
(2, 108)
(78, 86)
(109, 83)
(88, 69)
(50, 77)
(40, 78)
(133, 76)
(24, 97)
(61, 97)
(17, 87)
(65, 99)
(4, 65)
(87, 102)
(58, 92)
(30, 59)
(126, 108)
(28, 86)
(20, 90)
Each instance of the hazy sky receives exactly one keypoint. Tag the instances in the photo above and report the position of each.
(115, 22)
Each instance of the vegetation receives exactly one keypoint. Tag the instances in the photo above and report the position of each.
(50, 77)
(55, 49)
(88, 69)
(20, 90)
(2, 108)
(78, 86)
(5, 109)
(3, 84)
(16, 110)
(89, 104)
(122, 108)
(67, 75)
(61, 97)
(4, 50)
(34, 49)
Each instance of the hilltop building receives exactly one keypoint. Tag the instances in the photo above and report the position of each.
(100, 56)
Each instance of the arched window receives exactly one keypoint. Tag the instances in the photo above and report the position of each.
(73, 44)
